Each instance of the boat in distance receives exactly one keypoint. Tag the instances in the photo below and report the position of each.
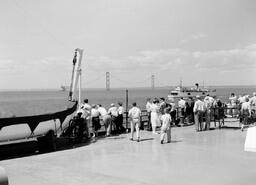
(185, 92)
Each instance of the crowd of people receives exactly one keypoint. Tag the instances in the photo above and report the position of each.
(163, 115)
(243, 106)
(91, 115)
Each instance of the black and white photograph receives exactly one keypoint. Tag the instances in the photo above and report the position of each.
(127, 92)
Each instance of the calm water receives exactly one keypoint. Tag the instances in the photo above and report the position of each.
(22, 103)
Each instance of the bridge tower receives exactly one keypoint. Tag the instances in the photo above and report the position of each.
(153, 81)
(107, 81)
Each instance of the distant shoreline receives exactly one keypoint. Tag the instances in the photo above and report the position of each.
(124, 88)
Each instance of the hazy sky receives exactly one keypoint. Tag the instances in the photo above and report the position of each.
(197, 40)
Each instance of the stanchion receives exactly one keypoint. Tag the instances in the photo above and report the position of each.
(126, 92)
(3, 177)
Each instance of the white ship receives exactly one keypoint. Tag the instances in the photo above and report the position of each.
(185, 92)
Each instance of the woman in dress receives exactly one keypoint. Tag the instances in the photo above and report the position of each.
(155, 119)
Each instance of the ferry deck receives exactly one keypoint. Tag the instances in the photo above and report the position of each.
(206, 158)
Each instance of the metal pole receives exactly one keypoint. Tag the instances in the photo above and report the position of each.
(80, 86)
(126, 92)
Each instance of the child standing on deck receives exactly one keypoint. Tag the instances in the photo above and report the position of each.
(166, 125)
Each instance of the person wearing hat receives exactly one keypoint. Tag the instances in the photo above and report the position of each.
(199, 111)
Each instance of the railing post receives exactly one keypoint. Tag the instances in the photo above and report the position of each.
(126, 93)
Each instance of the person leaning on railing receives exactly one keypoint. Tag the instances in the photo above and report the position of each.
(245, 112)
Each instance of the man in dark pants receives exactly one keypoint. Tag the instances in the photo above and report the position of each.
(199, 111)
(120, 128)
(148, 108)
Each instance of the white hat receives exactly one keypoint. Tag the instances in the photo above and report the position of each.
(197, 96)
(112, 104)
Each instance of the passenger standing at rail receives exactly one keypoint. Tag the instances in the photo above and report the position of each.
(120, 118)
(191, 106)
(106, 119)
(173, 111)
(166, 126)
(162, 105)
(134, 115)
(253, 103)
(86, 107)
(95, 114)
(181, 111)
(112, 111)
(246, 113)
(155, 119)
(208, 106)
(148, 108)
(199, 110)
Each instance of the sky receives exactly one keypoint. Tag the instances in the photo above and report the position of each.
(205, 41)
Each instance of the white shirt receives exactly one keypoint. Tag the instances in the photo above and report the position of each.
(199, 106)
(246, 106)
(134, 113)
(148, 106)
(182, 103)
(173, 106)
(103, 111)
(154, 108)
(120, 110)
(113, 111)
(208, 103)
(95, 112)
(241, 99)
(166, 120)
(253, 101)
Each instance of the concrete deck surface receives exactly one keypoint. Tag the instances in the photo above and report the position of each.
(196, 158)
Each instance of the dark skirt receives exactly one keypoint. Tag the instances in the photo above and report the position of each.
(96, 123)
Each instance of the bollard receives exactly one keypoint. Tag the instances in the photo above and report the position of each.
(3, 177)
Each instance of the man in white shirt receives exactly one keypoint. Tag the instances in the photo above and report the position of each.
(106, 119)
(208, 105)
(199, 111)
(166, 126)
(120, 118)
(95, 115)
(134, 115)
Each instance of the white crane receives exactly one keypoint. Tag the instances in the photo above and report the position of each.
(76, 75)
